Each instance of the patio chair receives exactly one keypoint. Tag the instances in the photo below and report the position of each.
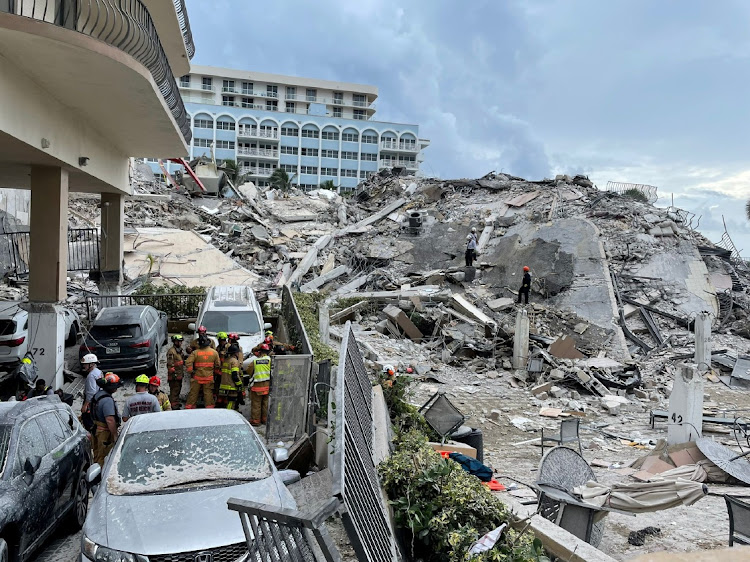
(568, 432)
(739, 520)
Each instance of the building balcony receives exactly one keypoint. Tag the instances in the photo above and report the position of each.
(229, 90)
(255, 133)
(398, 164)
(398, 146)
(258, 153)
(103, 87)
(257, 172)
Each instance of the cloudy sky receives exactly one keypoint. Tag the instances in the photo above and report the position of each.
(633, 90)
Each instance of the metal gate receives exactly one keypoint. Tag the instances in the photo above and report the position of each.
(355, 476)
(288, 401)
(83, 250)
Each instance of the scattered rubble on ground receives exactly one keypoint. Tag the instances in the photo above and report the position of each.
(617, 286)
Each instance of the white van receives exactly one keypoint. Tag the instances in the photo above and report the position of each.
(232, 308)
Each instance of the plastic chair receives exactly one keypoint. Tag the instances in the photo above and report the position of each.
(568, 432)
(739, 520)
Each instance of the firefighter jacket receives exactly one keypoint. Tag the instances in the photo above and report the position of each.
(166, 405)
(194, 344)
(203, 364)
(262, 374)
(230, 373)
(176, 363)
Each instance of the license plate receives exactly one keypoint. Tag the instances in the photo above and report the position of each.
(113, 349)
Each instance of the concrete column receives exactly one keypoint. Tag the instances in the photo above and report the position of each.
(685, 407)
(48, 264)
(48, 271)
(521, 341)
(702, 342)
(111, 251)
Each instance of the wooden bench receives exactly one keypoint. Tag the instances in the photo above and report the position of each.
(664, 414)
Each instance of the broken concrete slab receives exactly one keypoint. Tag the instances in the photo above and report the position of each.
(323, 279)
(399, 317)
(503, 303)
(565, 348)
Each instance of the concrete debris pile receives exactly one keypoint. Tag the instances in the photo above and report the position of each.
(615, 280)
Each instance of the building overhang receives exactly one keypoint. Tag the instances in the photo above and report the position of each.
(101, 85)
(172, 33)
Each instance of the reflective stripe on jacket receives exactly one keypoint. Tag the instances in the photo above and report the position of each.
(262, 370)
(203, 364)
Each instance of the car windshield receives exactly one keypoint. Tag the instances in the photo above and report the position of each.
(150, 461)
(240, 321)
(5, 431)
(126, 331)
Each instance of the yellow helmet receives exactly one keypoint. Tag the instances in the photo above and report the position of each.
(221, 335)
(141, 379)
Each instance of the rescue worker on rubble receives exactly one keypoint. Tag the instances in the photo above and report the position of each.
(153, 388)
(141, 402)
(176, 356)
(275, 347)
(202, 365)
(202, 331)
(231, 392)
(260, 373)
(525, 284)
(474, 233)
(91, 371)
(106, 417)
(471, 249)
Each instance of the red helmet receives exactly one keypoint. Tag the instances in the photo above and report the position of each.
(111, 378)
(265, 346)
(526, 268)
(155, 381)
(234, 336)
(202, 330)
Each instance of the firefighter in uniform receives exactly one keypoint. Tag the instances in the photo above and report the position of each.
(153, 388)
(231, 392)
(202, 364)
(222, 346)
(106, 416)
(260, 370)
(176, 369)
(235, 339)
(202, 331)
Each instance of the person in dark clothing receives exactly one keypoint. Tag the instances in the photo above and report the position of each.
(525, 285)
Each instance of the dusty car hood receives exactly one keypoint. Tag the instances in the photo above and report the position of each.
(177, 522)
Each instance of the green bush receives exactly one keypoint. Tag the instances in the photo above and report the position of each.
(636, 195)
(168, 299)
(444, 509)
(307, 305)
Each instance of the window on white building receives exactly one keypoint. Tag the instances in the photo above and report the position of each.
(338, 98)
(225, 125)
(291, 93)
(360, 114)
(225, 144)
(203, 124)
(207, 83)
(247, 88)
(289, 132)
(349, 173)
(272, 105)
(329, 172)
(289, 168)
(227, 86)
(309, 170)
(272, 91)
(350, 137)
(368, 157)
(337, 112)
(348, 155)
(202, 143)
(185, 81)
(360, 100)
(369, 139)
(290, 107)
(247, 102)
(311, 94)
(289, 149)
(309, 151)
(227, 100)
(329, 153)
(329, 135)
(310, 133)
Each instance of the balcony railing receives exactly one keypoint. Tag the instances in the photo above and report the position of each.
(398, 163)
(207, 87)
(253, 171)
(187, 34)
(357, 103)
(258, 152)
(229, 90)
(394, 145)
(255, 133)
(124, 25)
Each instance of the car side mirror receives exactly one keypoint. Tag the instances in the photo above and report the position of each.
(267, 326)
(94, 474)
(191, 326)
(32, 464)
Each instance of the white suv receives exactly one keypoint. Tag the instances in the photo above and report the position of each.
(14, 332)
(233, 308)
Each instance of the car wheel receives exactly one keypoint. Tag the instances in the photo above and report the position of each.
(80, 503)
(72, 335)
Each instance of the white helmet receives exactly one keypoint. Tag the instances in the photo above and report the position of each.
(89, 358)
(388, 369)
(473, 228)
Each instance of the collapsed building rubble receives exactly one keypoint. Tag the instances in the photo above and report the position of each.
(617, 286)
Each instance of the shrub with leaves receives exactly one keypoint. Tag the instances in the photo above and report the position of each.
(444, 509)
(171, 299)
(307, 305)
(636, 195)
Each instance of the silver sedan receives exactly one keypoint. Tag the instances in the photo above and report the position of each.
(164, 488)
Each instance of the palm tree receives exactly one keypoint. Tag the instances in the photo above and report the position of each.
(328, 184)
(282, 181)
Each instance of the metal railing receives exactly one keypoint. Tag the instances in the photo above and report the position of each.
(207, 87)
(648, 191)
(279, 534)
(394, 145)
(259, 152)
(289, 399)
(255, 171)
(187, 34)
(229, 90)
(254, 132)
(398, 164)
(125, 25)
(353, 471)
(83, 250)
(177, 306)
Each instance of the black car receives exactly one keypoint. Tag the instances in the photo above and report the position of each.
(44, 456)
(127, 338)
